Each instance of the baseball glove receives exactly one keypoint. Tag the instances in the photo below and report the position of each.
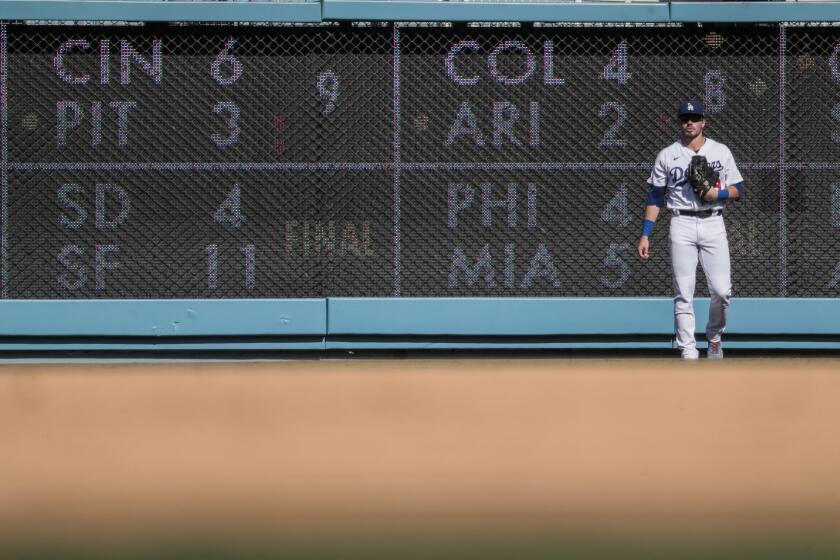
(701, 176)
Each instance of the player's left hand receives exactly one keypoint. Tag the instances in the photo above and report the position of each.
(703, 178)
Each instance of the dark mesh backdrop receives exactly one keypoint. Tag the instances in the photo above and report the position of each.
(504, 161)
(282, 116)
(812, 146)
(297, 239)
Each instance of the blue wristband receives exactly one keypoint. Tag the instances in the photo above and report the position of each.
(647, 228)
(723, 194)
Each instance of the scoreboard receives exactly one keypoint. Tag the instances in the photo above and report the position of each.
(273, 162)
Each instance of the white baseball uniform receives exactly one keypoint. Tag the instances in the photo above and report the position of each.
(693, 237)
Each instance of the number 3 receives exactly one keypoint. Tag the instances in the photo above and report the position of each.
(231, 121)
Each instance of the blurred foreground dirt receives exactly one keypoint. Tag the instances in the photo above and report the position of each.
(325, 447)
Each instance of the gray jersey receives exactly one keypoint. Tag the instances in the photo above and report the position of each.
(671, 165)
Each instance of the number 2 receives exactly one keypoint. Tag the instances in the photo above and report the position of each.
(610, 140)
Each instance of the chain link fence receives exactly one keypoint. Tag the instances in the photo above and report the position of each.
(421, 160)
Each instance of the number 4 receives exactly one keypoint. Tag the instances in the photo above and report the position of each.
(616, 210)
(832, 63)
(616, 68)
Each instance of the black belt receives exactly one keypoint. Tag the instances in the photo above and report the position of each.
(699, 213)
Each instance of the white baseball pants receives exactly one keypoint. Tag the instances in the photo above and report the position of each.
(691, 238)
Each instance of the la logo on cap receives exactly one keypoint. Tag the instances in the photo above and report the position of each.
(690, 107)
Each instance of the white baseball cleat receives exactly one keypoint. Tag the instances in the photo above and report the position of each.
(690, 354)
(715, 351)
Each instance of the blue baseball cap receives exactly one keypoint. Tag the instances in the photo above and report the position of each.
(690, 108)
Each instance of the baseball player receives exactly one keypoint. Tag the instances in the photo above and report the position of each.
(694, 178)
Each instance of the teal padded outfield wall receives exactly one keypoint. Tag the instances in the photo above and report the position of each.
(428, 10)
(400, 323)
(413, 323)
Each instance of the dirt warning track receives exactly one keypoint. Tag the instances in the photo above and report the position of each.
(572, 443)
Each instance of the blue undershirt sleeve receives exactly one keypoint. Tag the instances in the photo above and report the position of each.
(656, 196)
(740, 187)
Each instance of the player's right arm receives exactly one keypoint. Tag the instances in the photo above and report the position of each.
(657, 183)
(651, 213)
